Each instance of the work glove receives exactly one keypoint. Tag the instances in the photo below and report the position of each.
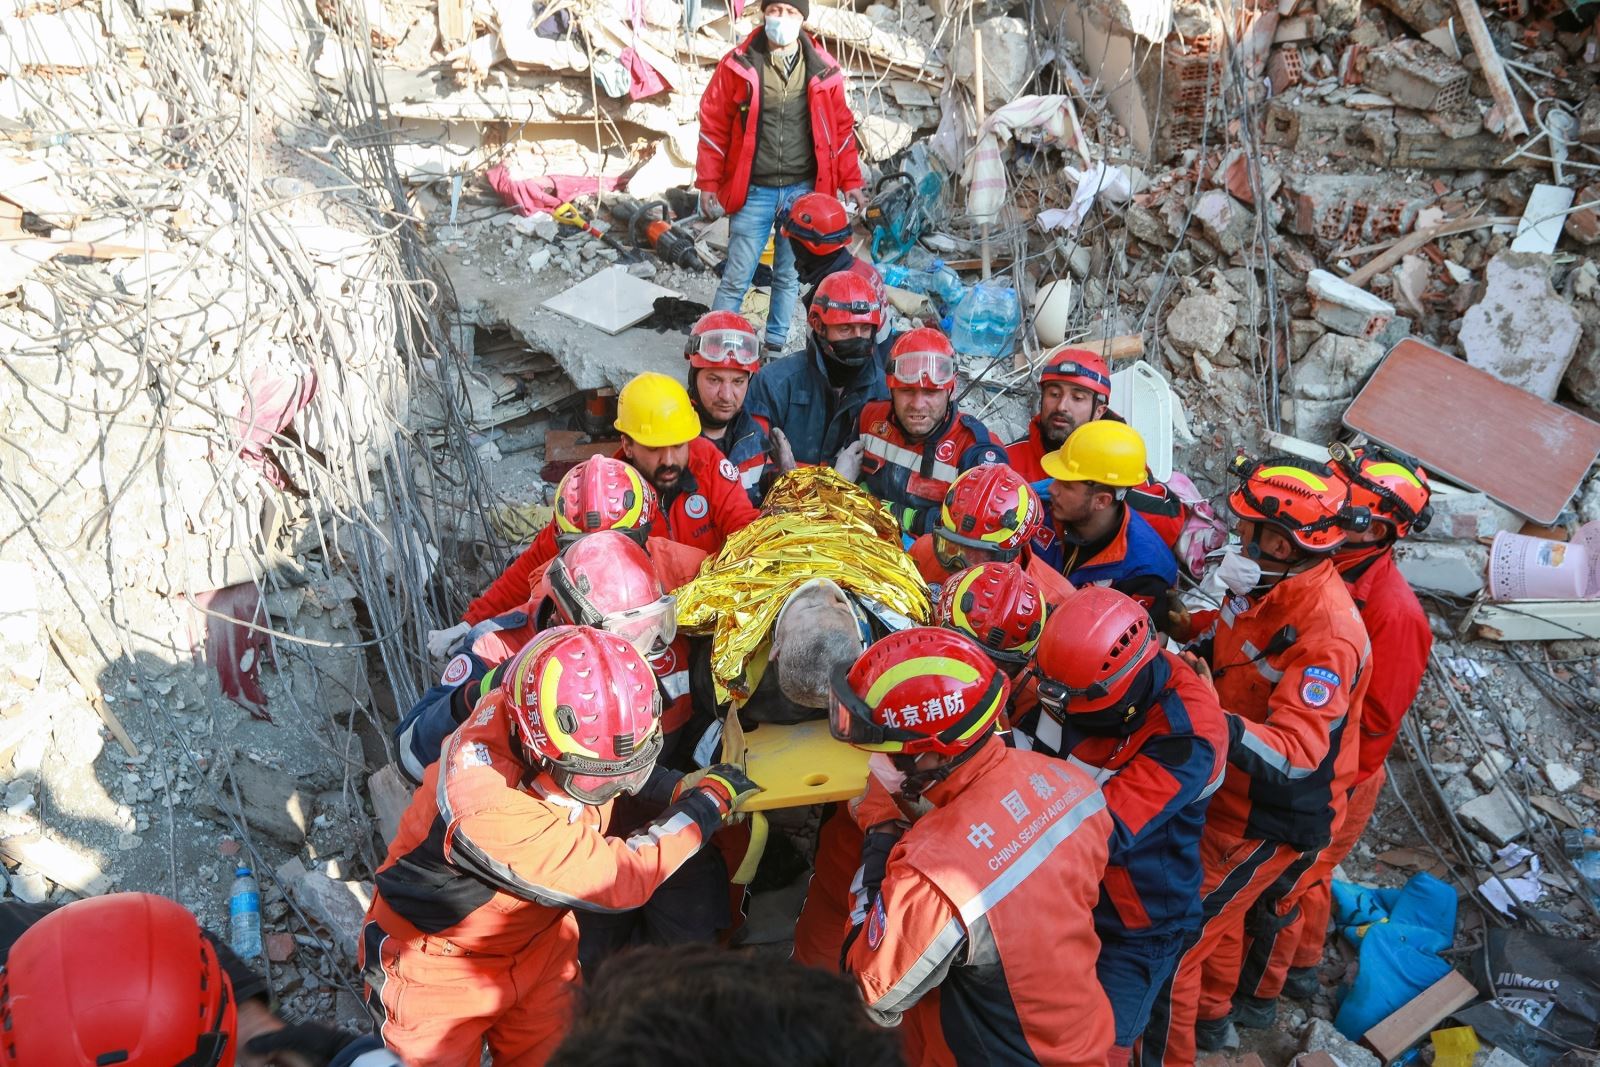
(297, 1045)
(848, 461)
(440, 642)
(782, 454)
(875, 849)
(727, 786)
(711, 208)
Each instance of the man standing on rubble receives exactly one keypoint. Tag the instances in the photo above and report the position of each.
(1395, 489)
(1288, 657)
(774, 125)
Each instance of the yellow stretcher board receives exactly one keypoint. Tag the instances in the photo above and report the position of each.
(801, 764)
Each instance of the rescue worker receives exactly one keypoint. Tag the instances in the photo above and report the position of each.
(172, 994)
(702, 498)
(818, 232)
(1395, 490)
(723, 352)
(815, 397)
(1074, 390)
(989, 515)
(1151, 733)
(1096, 538)
(980, 869)
(1288, 655)
(774, 125)
(604, 580)
(471, 936)
(600, 493)
(917, 442)
(1001, 608)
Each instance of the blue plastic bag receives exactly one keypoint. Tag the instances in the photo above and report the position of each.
(1400, 933)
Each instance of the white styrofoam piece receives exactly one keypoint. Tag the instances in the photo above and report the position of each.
(611, 300)
(1542, 219)
(1142, 396)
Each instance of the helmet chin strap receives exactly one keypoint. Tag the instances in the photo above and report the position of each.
(919, 779)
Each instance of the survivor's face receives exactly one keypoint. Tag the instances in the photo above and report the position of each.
(920, 410)
(661, 467)
(722, 392)
(1063, 407)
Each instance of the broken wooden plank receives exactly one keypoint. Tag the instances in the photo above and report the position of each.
(1403, 1028)
(91, 689)
(65, 866)
(1538, 620)
(1413, 241)
(391, 796)
(1505, 118)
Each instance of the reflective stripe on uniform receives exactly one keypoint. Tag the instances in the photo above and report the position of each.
(1276, 760)
(907, 459)
(1267, 670)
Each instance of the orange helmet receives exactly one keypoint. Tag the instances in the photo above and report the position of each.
(817, 221)
(127, 979)
(586, 704)
(989, 513)
(1091, 652)
(919, 690)
(1307, 502)
(602, 493)
(999, 606)
(1390, 484)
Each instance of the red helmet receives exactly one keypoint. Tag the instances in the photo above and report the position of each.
(602, 493)
(817, 221)
(919, 690)
(1077, 366)
(585, 703)
(989, 510)
(607, 581)
(997, 605)
(126, 979)
(1093, 648)
(1391, 485)
(923, 358)
(844, 297)
(1306, 501)
(723, 340)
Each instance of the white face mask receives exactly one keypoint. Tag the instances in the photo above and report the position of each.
(1238, 573)
(881, 767)
(782, 30)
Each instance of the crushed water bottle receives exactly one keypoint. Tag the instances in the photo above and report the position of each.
(244, 915)
(1583, 846)
(986, 321)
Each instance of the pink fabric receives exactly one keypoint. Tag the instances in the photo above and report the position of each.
(643, 79)
(544, 193)
(272, 400)
(235, 652)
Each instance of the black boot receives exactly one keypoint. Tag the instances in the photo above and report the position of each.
(1254, 1013)
(1215, 1035)
(1302, 983)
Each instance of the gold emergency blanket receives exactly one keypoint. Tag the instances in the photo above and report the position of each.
(813, 524)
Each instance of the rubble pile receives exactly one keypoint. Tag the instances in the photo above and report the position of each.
(222, 511)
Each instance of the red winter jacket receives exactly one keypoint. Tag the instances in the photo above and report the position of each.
(1401, 640)
(731, 107)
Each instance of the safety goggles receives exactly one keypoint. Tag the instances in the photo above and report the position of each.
(1055, 697)
(937, 367)
(729, 346)
(649, 629)
(590, 781)
(851, 719)
(958, 553)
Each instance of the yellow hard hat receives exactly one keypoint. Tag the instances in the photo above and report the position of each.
(1104, 451)
(654, 410)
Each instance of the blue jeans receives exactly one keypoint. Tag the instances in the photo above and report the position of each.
(748, 231)
(1132, 971)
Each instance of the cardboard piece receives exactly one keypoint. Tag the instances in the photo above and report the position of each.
(1411, 1023)
(801, 764)
(610, 301)
(1437, 408)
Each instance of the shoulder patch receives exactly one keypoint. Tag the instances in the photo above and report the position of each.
(456, 671)
(728, 470)
(877, 921)
(1315, 693)
(946, 450)
(695, 506)
(1322, 674)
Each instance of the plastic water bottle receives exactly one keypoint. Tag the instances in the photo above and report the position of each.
(901, 276)
(945, 284)
(1584, 848)
(244, 915)
(986, 321)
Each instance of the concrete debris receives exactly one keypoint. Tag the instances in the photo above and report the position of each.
(338, 905)
(1501, 816)
(1342, 307)
(1563, 777)
(1200, 323)
(1417, 75)
(1489, 770)
(1455, 568)
(1522, 331)
(1320, 1036)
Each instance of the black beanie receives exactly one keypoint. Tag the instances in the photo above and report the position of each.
(802, 6)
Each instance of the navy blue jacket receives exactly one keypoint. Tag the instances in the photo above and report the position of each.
(793, 395)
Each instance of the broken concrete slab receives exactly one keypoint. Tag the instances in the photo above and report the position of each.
(1417, 75)
(1007, 60)
(272, 801)
(1522, 331)
(1543, 218)
(1392, 138)
(1467, 517)
(1458, 569)
(1344, 308)
(1487, 771)
(1200, 323)
(1225, 222)
(340, 906)
(1563, 777)
(1321, 1037)
(1334, 367)
(1500, 816)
